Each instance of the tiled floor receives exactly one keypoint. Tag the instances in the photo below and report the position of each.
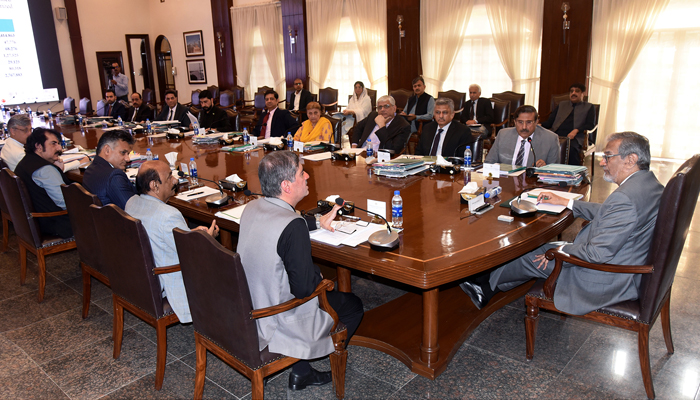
(48, 352)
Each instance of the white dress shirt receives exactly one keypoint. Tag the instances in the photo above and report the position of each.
(517, 149)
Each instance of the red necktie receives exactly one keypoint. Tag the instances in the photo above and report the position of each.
(264, 124)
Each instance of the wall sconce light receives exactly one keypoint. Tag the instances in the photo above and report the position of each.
(174, 71)
(402, 33)
(221, 44)
(292, 38)
(567, 24)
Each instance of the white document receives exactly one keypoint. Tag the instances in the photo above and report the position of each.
(253, 140)
(299, 146)
(193, 119)
(318, 157)
(337, 238)
(377, 207)
(196, 193)
(476, 202)
(184, 168)
(531, 196)
(383, 156)
(233, 214)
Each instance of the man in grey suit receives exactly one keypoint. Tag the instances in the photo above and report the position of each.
(620, 233)
(156, 184)
(520, 145)
(279, 268)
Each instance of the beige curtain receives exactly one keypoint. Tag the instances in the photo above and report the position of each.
(368, 18)
(442, 27)
(621, 28)
(243, 21)
(323, 21)
(516, 26)
(270, 24)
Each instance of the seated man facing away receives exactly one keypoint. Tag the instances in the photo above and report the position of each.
(420, 106)
(571, 118)
(105, 177)
(41, 170)
(211, 116)
(19, 127)
(156, 184)
(280, 268)
(620, 233)
(382, 127)
(444, 136)
(520, 145)
(274, 122)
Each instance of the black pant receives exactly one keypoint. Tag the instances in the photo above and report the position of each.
(350, 311)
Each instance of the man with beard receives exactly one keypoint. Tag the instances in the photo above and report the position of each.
(571, 119)
(211, 116)
(105, 177)
(156, 184)
(41, 170)
(520, 145)
(420, 106)
(620, 232)
(112, 107)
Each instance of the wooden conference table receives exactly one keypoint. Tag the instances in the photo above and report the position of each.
(440, 246)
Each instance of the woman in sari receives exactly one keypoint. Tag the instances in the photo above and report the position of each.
(358, 107)
(315, 128)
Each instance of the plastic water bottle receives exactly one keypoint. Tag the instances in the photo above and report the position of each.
(148, 126)
(246, 136)
(29, 111)
(80, 119)
(290, 141)
(193, 171)
(468, 158)
(63, 142)
(196, 129)
(50, 114)
(149, 155)
(493, 192)
(370, 148)
(119, 121)
(396, 210)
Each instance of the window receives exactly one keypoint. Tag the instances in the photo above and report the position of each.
(260, 74)
(478, 61)
(658, 97)
(346, 67)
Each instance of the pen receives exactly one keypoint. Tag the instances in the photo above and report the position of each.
(194, 194)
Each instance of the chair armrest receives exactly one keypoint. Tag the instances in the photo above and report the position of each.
(321, 290)
(166, 270)
(561, 257)
(49, 214)
(459, 111)
(330, 104)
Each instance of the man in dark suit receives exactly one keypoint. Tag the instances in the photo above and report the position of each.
(211, 116)
(114, 108)
(444, 136)
(478, 111)
(619, 233)
(174, 111)
(571, 119)
(138, 112)
(274, 122)
(105, 177)
(382, 126)
(299, 99)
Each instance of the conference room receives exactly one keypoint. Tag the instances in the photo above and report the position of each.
(421, 335)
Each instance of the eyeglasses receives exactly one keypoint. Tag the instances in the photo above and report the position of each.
(607, 157)
(381, 107)
(521, 122)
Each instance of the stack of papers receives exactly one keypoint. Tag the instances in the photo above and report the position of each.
(318, 157)
(337, 238)
(233, 214)
(555, 173)
(196, 193)
(400, 168)
(531, 196)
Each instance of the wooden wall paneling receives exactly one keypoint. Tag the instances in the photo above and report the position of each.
(225, 60)
(296, 62)
(564, 63)
(76, 41)
(404, 64)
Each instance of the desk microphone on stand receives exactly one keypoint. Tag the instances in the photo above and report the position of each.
(214, 200)
(380, 240)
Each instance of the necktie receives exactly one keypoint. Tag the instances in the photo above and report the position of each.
(133, 117)
(109, 111)
(264, 124)
(436, 142)
(474, 111)
(170, 116)
(521, 153)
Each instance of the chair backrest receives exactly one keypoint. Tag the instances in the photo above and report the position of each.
(263, 89)
(128, 259)
(226, 98)
(290, 99)
(219, 298)
(501, 110)
(101, 110)
(215, 92)
(372, 97)
(259, 101)
(195, 97)
(477, 150)
(516, 99)
(564, 149)
(148, 97)
(78, 201)
(152, 111)
(401, 97)
(672, 222)
(327, 97)
(592, 135)
(337, 124)
(238, 95)
(69, 105)
(556, 99)
(458, 98)
(85, 106)
(235, 119)
(20, 207)
(3, 204)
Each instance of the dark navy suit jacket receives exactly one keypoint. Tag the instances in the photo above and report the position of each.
(110, 184)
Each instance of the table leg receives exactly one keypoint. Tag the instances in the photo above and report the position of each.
(344, 282)
(225, 237)
(429, 348)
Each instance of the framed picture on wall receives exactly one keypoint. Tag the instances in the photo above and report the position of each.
(196, 71)
(194, 45)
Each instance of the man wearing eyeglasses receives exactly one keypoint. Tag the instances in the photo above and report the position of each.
(620, 233)
(382, 128)
(300, 98)
(19, 127)
(526, 144)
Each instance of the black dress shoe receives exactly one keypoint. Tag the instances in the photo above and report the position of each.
(316, 378)
(475, 293)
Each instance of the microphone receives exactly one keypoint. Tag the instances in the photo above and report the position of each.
(249, 193)
(529, 140)
(380, 240)
(214, 200)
